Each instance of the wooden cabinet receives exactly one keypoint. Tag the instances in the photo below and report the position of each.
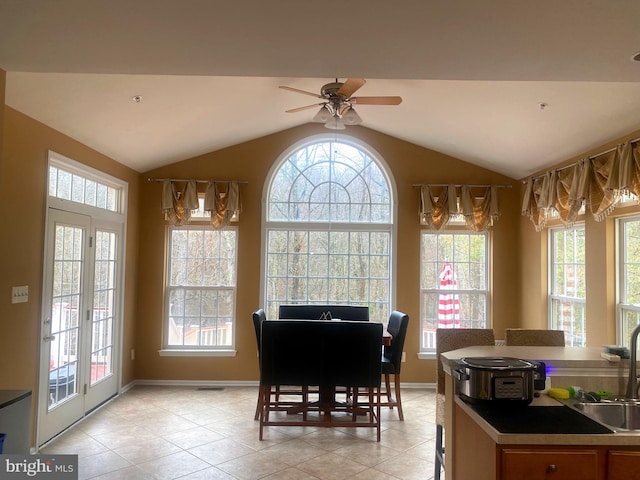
(550, 463)
(623, 465)
(477, 456)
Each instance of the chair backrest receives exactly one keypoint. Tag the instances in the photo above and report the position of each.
(448, 339)
(308, 352)
(538, 338)
(258, 317)
(324, 312)
(397, 327)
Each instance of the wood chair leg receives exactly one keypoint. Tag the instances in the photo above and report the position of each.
(387, 384)
(305, 401)
(353, 395)
(377, 400)
(439, 460)
(258, 405)
(396, 382)
(265, 406)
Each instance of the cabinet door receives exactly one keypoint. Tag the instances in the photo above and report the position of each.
(623, 465)
(536, 464)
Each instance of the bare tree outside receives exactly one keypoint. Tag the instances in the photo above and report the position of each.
(201, 287)
(466, 253)
(329, 224)
(567, 296)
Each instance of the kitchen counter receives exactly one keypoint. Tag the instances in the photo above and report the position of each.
(556, 358)
(614, 438)
(15, 420)
(566, 366)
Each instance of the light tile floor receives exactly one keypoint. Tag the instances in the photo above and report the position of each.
(153, 432)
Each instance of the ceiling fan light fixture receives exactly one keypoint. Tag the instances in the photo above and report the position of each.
(337, 109)
(322, 116)
(335, 123)
(351, 117)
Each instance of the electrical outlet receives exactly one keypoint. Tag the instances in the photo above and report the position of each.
(20, 294)
(404, 356)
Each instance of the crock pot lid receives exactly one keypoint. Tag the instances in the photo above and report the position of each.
(497, 362)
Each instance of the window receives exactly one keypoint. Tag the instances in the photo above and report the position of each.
(567, 289)
(201, 288)
(66, 184)
(628, 278)
(454, 282)
(329, 224)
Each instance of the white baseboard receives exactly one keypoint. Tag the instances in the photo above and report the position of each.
(228, 383)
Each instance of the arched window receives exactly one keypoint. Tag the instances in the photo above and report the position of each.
(329, 228)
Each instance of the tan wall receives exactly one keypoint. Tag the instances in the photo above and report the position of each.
(600, 268)
(3, 83)
(251, 161)
(23, 171)
(533, 269)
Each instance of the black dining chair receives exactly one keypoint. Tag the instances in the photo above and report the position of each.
(392, 359)
(258, 317)
(329, 355)
(323, 312)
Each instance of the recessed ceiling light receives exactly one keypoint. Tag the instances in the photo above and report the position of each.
(137, 98)
(636, 57)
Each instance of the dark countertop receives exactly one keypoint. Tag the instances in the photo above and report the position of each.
(535, 420)
(9, 397)
(524, 432)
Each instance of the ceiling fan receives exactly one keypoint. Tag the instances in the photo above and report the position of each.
(337, 108)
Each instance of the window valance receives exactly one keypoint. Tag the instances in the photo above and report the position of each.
(222, 200)
(597, 183)
(438, 203)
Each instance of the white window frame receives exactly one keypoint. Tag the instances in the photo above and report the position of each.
(627, 313)
(198, 350)
(329, 226)
(572, 337)
(73, 167)
(427, 336)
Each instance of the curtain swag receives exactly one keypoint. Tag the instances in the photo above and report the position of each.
(438, 204)
(596, 183)
(223, 205)
(177, 205)
(222, 201)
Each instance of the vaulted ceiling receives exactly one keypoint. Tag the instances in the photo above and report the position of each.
(509, 85)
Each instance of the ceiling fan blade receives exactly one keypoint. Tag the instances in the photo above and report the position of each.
(349, 87)
(392, 100)
(299, 109)
(297, 90)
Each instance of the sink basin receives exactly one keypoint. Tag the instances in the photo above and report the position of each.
(617, 415)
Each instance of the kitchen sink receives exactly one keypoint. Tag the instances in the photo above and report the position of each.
(617, 415)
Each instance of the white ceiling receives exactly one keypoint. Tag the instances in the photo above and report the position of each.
(471, 74)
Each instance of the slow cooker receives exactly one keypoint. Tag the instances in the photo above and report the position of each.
(502, 379)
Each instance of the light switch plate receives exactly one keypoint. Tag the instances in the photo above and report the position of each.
(20, 294)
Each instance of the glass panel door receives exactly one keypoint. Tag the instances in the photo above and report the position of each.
(102, 383)
(62, 365)
(80, 323)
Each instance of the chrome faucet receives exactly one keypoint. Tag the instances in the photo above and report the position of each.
(632, 383)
